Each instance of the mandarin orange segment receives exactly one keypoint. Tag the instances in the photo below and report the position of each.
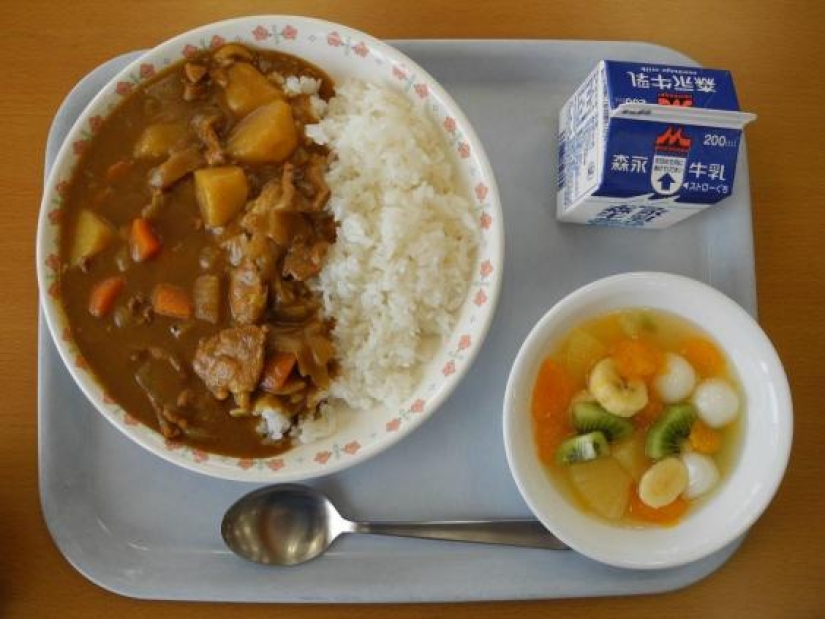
(704, 439)
(669, 515)
(704, 356)
(637, 358)
(552, 394)
(650, 413)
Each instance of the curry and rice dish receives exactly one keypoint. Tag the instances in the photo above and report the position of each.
(209, 248)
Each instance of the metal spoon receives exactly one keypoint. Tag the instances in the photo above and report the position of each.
(290, 524)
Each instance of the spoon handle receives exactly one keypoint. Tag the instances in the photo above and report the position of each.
(528, 533)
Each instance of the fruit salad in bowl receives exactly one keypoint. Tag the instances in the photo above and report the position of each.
(639, 437)
(653, 415)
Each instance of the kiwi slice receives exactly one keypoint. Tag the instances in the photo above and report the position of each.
(582, 448)
(665, 437)
(591, 417)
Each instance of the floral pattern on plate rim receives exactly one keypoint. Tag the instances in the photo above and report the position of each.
(419, 91)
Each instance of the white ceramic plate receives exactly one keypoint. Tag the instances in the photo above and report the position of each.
(341, 52)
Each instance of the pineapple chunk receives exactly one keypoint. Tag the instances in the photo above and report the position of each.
(603, 485)
(630, 454)
(91, 236)
(221, 194)
(247, 89)
(157, 140)
(582, 351)
(266, 135)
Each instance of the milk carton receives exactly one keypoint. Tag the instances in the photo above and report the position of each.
(645, 146)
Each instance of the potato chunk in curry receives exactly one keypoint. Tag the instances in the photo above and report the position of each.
(157, 140)
(247, 89)
(92, 235)
(267, 135)
(221, 194)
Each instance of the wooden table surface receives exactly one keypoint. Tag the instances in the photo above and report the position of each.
(776, 51)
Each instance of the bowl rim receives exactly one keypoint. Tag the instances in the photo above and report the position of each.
(519, 464)
(91, 386)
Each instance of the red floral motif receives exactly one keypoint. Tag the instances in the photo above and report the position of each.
(289, 32)
(480, 298)
(417, 406)
(276, 464)
(449, 124)
(217, 41)
(245, 463)
(393, 425)
(54, 289)
(421, 90)
(129, 420)
(95, 122)
(361, 50)
(172, 445)
(486, 268)
(485, 221)
(465, 342)
(146, 70)
(260, 33)
(123, 88)
(334, 39)
(190, 50)
(481, 191)
(322, 457)
(399, 72)
(66, 334)
(449, 368)
(53, 262)
(352, 448)
(200, 456)
(55, 216)
(80, 147)
(62, 188)
(80, 362)
(109, 400)
(463, 150)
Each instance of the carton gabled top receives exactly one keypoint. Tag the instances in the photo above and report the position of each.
(685, 87)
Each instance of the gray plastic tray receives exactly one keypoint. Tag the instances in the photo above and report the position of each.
(141, 527)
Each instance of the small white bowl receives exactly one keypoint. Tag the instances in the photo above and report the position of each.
(756, 473)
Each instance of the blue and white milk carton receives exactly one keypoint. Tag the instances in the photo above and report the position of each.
(645, 146)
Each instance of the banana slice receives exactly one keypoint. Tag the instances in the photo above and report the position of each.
(616, 395)
(677, 380)
(663, 482)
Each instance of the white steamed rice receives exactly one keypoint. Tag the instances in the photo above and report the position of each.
(401, 266)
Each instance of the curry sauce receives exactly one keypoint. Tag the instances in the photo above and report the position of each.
(194, 221)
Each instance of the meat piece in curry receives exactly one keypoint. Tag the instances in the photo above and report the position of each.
(195, 220)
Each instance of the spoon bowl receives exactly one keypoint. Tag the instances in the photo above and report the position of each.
(282, 525)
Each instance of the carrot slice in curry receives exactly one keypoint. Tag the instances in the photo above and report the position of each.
(103, 296)
(118, 170)
(277, 370)
(171, 301)
(143, 240)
